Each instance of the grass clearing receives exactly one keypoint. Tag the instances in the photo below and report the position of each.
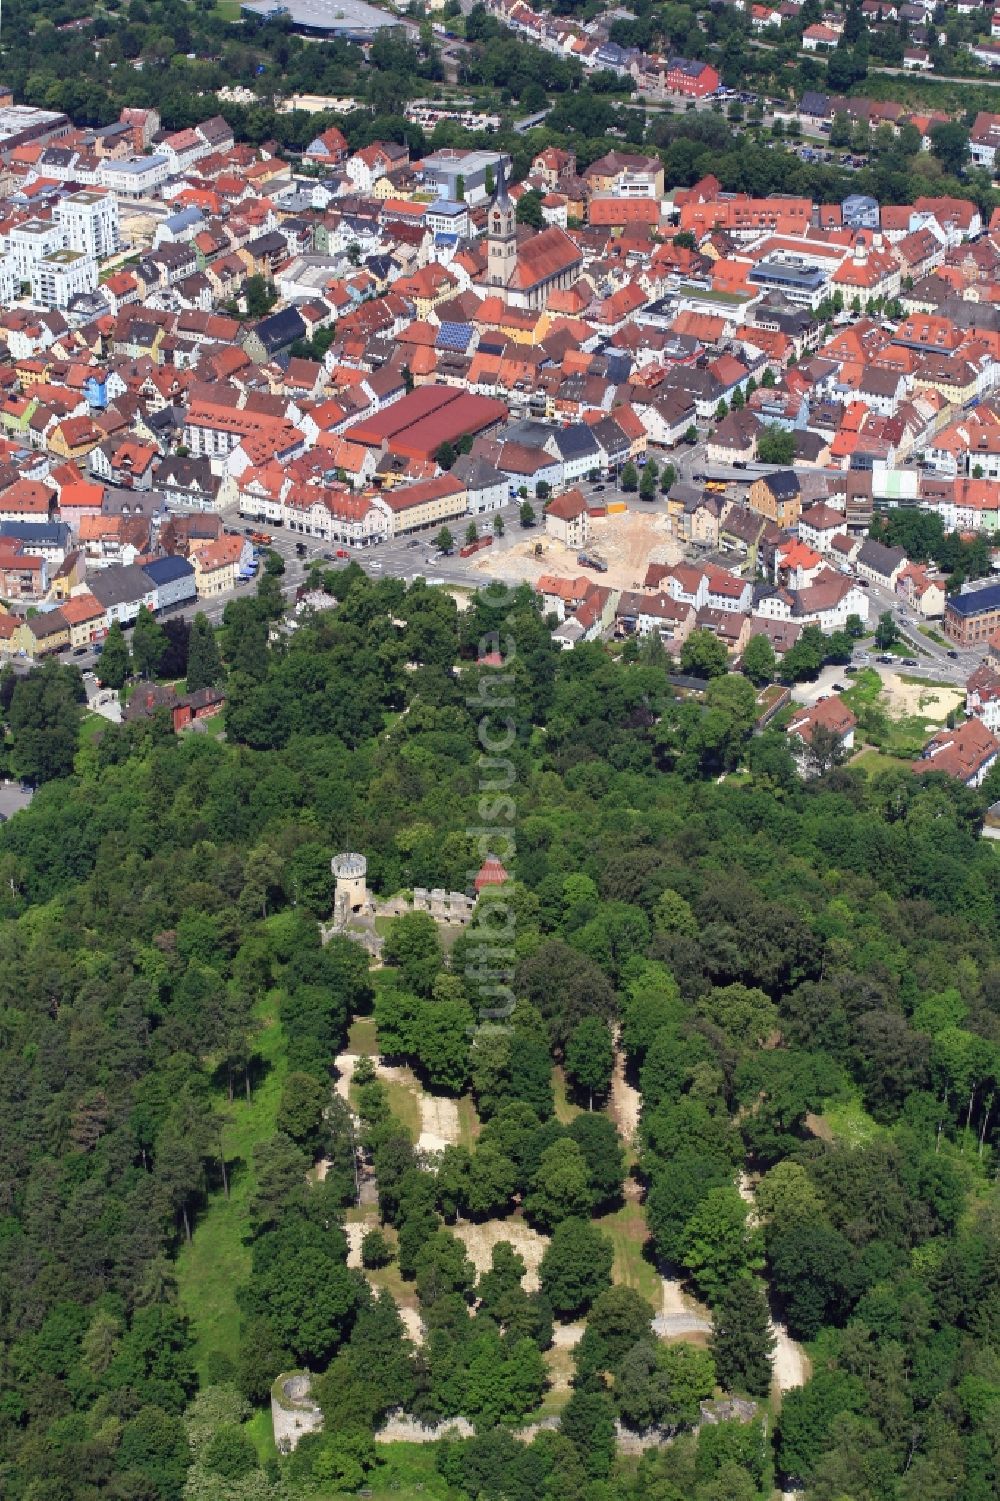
(872, 760)
(559, 1366)
(930, 684)
(387, 1279)
(865, 690)
(469, 1124)
(566, 1112)
(92, 726)
(850, 1122)
(362, 1037)
(403, 1102)
(405, 1471)
(228, 10)
(907, 736)
(216, 1262)
(627, 1231)
(261, 1430)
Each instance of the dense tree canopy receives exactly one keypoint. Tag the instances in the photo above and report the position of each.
(802, 979)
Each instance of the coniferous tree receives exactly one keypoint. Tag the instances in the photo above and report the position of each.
(742, 1338)
(116, 663)
(204, 667)
(149, 643)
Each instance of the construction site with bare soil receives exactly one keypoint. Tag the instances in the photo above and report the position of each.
(627, 542)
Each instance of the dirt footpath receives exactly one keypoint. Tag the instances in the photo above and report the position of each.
(626, 1102)
(627, 542)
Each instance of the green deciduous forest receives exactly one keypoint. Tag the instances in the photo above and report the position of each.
(802, 979)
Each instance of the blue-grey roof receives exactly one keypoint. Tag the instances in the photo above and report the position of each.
(619, 366)
(40, 533)
(183, 219)
(782, 483)
(576, 441)
(688, 66)
(136, 164)
(167, 570)
(280, 329)
(975, 601)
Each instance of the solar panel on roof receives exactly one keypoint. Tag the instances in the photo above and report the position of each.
(454, 336)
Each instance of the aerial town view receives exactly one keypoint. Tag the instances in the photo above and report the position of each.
(500, 763)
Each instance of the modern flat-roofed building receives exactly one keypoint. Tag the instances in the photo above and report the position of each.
(61, 276)
(89, 220)
(22, 125)
(136, 177)
(467, 175)
(800, 280)
(27, 243)
(352, 20)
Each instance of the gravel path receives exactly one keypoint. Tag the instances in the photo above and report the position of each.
(438, 1123)
(790, 1362)
(679, 1314)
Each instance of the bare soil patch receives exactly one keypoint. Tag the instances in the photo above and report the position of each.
(479, 1241)
(904, 699)
(439, 1127)
(356, 1233)
(439, 1116)
(626, 541)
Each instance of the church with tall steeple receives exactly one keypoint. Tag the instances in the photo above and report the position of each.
(525, 270)
(501, 233)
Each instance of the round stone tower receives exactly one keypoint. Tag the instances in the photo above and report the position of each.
(351, 891)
